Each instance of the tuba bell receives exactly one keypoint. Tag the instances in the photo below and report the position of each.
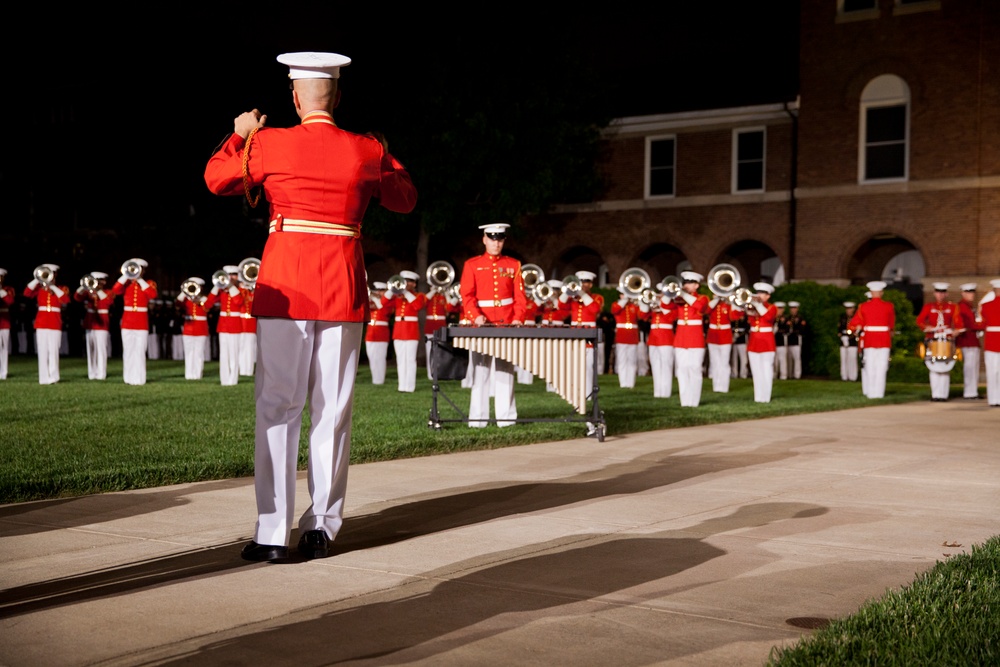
(44, 275)
(248, 270)
(89, 283)
(532, 276)
(724, 280)
(191, 289)
(633, 281)
(131, 269)
(221, 280)
(440, 275)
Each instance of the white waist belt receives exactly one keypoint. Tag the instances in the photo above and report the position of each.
(437, 317)
(689, 322)
(312, 227)
(379, 323)
(195, 318)
(626, 326)
(247, 316)
(50, 309)
(407, 318)
(876, 328)
(135, 309)
(720, 326)
(762, 329)
(102, 312)
(583, 324)
(993, 329)
(661, 326)
(495, 303)
(225, 314)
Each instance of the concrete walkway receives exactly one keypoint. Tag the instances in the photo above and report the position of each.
(697, 546)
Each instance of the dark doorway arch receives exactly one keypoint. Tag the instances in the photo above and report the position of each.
(661, 260)
(755, 261)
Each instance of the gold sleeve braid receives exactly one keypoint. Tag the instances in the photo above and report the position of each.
(252, 199)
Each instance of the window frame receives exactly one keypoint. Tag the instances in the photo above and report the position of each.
(734, 167)
(648, 172)
(884, 91)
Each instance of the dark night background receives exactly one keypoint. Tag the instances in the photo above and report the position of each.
(112, 117)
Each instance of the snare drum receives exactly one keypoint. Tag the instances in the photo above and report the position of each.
(940, 354)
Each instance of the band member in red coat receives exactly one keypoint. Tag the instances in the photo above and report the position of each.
(492, 294)
(940, 321)
(627, 313)
(137, 293)
(689, 339)
(194, 332)
(230, 326)
(720, 342)
(311, 297)
(761, 317)
(248, 334)
(661, 347)
(48, 323)
(968, 342)
(6, 301)
(989, 314)
(378, 333)
(439, 306)
(406, 306)
(96, 320)
(873, 323)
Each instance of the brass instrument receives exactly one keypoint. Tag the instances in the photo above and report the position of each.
(440, 275)
(671, 286)
(633, 281)
(221, 280)
(542, 291)
(454, 292)
(131, 269)
(248, 270)
(191, 289)
(724, 280)
(532, 276)
(397, 284)
(44, 275)
(651, 297)
(572, 286)
(742, 298)
(89, 283)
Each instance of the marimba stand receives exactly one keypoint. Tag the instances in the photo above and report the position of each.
(554, 354)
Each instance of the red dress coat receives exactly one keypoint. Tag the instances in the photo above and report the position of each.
(690, 329)
(230, 312)
(49, 315)
(492, 286)
(195, 316)
(248, 321)
(761, 334)
(407, 314)
(967, 338)
(876, 319)
(627, 322)
(720, 323)
(661, 327)
(313, 175)
(6, 301)
(136, 300)
(990, 312)
(945, 312)
(378, 330)
(97, 304)
(436, 313)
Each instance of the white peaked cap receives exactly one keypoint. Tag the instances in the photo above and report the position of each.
(941, 287)
(495, 228)
(100, 275)
(231, 268)
(554, 283)
(313, 64)
(3, 272)
(51, 267)
(691, 276)
(968, 287)
(779, 304)
(763, 287)
(200, 281)
(995, 284)
(410, 275)
(379, 285)
(586, 275)
(849, 304)
(793, 304)
(876, 285)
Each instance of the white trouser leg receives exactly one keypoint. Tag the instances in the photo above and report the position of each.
(47, 342)
(940, 384)
(852, 363)
(688, 362)
(4, 352)
(877, 365)
(642, 359)
(194, 357)
(406, 364)
(626, 362)
(661, 365)
(300, 361)
(795, 361)
(248, 352)
(504, 404)
(153, 345)
(781, 361)
(134, 356)
(98, 342)
(718, 366)
(970, 372)
(762, 369)
(229, 359)
(479, 402)
(992, 362)
(377, 352)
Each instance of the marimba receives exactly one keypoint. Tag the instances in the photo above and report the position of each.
(557, 355)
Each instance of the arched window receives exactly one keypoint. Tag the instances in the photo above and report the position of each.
(883, 147)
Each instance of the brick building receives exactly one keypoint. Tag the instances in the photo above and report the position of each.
(887, 165)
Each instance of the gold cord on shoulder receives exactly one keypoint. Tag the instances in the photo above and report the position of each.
(252, 199)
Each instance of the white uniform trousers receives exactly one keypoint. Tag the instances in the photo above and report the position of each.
(153, 344)
(740, 364)
(194, 357)
(718, 366)
(500, 373)
(970, 372)
(248, 353)
(688, 362)
(523, 376)
(97, 353)
(626, 364)
(469, 374)
(762, 370)
(4, 352)
(849, 364)
(428, 344)
(377, 354)
(795, 361)
(661, 366)
(600, 359)
(992, 362)
(177, 347)
(876, 367)
(229, 359)
(642, 359)
(134, 355)
(781, 362)
(300, 362)
(47, 342)
(940, 384)
(406, 364)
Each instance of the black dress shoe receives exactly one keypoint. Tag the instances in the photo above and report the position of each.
(263, 552)
(314, 544)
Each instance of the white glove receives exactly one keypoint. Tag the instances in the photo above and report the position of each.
(689, 298)
(643, 307)
(564, 298)
(409, 296)
(58, 292)
(586, 299)
(623, 301)
(215, 290)
(33, 284)
(713, 303)
(761, 308)
(142, 283)
(234, 290)
(123, 279)
(181, 296)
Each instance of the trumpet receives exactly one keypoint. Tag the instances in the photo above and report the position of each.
(633, 282)
(191, 289)
(454, 292)
(440, 275)
(131, 269)
(397, 284)
(572, 286)
(44, 275)
(542, 292)
(248, 270)
(650, 297)
(221, 280)
(671, 286)
(89, 283)
(742, 298)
